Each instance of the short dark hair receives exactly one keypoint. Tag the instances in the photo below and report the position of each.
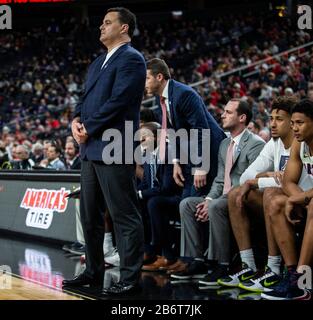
(57, 148)
(244, 108)
(125, 16)
(285, 103)
(157, 66)
(305, 106)
(256, 125)
(146, 115)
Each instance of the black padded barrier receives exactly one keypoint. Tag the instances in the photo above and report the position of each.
(35, 203)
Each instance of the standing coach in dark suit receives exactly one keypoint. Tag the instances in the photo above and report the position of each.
(113, 94)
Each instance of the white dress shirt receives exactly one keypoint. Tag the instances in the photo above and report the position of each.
(237, 141)
(166, 99)
(110, 54)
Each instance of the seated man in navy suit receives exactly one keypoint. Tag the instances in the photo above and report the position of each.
(181, 107)
(160, 197)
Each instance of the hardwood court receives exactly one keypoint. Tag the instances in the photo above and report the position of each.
(26, 290)
(39, 269)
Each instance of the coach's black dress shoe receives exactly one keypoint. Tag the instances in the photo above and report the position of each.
(82, 280)
(121, 288)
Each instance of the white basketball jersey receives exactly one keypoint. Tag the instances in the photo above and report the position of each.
(306, 180)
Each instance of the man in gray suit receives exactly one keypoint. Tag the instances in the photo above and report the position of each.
(236, 153)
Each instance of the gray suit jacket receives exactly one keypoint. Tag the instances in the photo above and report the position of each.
(249, 148)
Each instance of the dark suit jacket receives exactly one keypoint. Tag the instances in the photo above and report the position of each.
(112, 96)
(164, 183)
(188, 111)
(76, 164)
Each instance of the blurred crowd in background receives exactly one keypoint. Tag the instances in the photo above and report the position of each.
(43, 71)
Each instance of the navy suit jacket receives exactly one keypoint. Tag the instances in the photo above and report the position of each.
(112, 96)
(163, 185)
(188, 111)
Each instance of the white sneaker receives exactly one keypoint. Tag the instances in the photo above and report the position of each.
(261, 283)
(234, 279)
(112, 258)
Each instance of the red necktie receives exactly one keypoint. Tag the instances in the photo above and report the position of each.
(163, 129)
(228, 166)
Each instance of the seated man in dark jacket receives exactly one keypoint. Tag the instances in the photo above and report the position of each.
(72, 159)
(24, 162)
(160, 197)
(4, 157)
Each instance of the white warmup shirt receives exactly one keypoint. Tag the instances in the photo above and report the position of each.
(306, 180)
(273, 158)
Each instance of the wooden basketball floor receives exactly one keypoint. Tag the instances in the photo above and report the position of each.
(17, 288)
(36, 269)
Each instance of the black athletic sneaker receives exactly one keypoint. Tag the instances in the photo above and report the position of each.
(195, 270)
(211, 279)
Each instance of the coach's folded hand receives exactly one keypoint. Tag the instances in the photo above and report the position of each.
(76, 127)
(82, 134)
(79, 131)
